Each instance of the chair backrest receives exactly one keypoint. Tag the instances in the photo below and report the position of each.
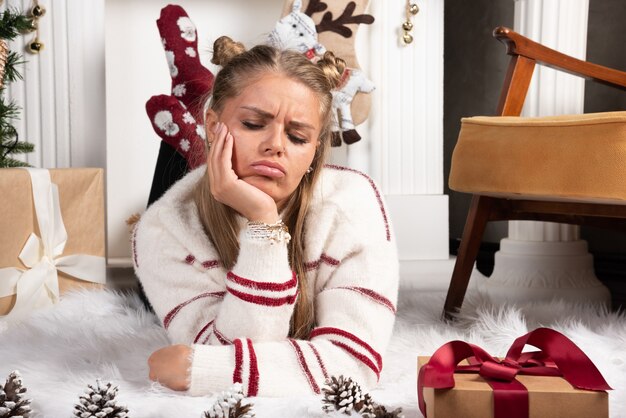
(525, 53)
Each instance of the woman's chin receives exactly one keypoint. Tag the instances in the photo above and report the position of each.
(267, 185)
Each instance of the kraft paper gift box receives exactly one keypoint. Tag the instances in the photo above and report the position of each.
(70, 252)
(545, 384)
(549, 397)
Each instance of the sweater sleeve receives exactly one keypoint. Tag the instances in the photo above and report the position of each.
(355, 286)
(262, 292)
(198, 301)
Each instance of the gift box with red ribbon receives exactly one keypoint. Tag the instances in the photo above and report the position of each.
(559, 381)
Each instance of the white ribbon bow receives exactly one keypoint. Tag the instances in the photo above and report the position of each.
(38, 286)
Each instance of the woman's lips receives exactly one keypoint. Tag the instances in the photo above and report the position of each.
(268, 169)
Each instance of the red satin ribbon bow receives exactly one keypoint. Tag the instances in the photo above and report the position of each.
(559, 356)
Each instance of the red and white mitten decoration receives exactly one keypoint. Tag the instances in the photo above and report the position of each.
(353, 81)
(175, 117)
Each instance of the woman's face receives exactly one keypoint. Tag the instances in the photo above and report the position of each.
(275, 123)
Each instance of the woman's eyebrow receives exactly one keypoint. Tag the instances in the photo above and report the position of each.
(260, 112)
(301, 125)
(267, 115)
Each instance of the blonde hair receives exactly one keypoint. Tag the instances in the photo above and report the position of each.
(239, 69)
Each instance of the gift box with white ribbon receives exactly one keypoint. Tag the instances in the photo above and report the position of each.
(52, 228)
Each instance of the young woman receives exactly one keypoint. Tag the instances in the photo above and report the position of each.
(265, 266)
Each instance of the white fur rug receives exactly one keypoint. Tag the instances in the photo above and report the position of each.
(107, 335)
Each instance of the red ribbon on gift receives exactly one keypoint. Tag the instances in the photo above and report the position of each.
(559, 356)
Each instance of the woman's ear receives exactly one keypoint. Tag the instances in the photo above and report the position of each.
(211, 120)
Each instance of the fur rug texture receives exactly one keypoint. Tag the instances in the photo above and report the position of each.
(108, 335)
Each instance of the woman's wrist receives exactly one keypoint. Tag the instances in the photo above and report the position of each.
(273, 233)
(268, 216)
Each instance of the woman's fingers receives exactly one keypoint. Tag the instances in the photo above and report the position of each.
(227, 154)
(216, 171)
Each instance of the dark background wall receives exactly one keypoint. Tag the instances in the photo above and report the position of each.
(474, 69)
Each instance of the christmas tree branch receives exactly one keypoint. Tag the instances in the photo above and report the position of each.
(10, 72)
(13, 23)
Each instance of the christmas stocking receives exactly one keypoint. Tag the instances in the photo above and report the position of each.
(336, 24)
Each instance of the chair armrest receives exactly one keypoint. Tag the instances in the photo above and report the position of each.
(521, 46)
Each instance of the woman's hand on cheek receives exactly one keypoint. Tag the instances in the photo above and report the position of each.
(230, 190)
(170, 366)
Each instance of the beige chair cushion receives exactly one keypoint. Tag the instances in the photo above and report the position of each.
(573, 157)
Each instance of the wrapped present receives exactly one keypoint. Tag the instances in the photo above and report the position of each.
(560, 381)
(52, 228)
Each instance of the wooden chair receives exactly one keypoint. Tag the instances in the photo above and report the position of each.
(485, 207)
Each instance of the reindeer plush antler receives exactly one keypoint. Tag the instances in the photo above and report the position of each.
(175, 117)
(338, 25)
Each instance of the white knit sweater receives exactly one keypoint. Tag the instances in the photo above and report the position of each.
(238, 321)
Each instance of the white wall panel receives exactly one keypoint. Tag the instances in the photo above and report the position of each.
(76, 119)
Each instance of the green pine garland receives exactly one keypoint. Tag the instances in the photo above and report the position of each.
(12, 24)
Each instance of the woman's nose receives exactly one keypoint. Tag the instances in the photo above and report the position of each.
(275, 141)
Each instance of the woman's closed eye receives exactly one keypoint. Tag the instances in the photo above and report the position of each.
(252, 125)
(296, 139)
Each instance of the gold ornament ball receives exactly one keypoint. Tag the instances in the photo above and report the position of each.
(38, 11)
(407, 38)
(35, 47)
(413, 9)
(407, 25)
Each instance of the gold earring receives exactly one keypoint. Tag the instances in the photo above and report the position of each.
(411, 10)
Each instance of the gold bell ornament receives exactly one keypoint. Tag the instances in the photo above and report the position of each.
(411, 10)
(36, 12)
(35, 47)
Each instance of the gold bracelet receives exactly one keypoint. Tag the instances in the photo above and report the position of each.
(276, 232)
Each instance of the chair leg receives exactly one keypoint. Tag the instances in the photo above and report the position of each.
(470, 243)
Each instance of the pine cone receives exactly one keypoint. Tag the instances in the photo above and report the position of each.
(12, 401)
(381, 412)
(99, 402)
(345, 395)
(229, 405)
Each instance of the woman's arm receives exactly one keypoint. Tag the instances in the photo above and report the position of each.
(198, 301)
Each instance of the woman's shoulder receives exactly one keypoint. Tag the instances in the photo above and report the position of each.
(347, 184)
(174, 217)
(353, 196)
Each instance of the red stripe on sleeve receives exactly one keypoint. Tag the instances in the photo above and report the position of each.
(304, 366)
(204, 328)
(376, 297)
(221, 338)
(319, 359)
(364, 359)
(238, 361)
(329, 260)
(263, 300)
(272, 287)
(253, 382)
(336, 331)
(171, 314)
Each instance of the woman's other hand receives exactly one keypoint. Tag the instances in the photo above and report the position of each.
(227, 188)
(170, 366)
